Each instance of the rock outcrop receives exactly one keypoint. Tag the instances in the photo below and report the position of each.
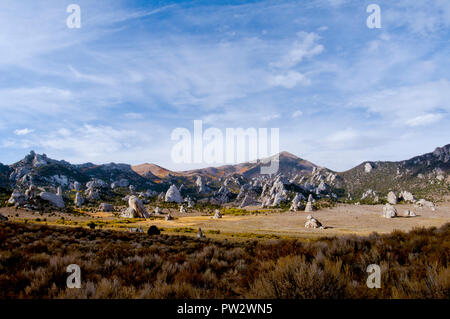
(17, 198)
(309, 205)
(173, 195)
(217, 214)
(312, 222)
(389, 211)
(409, 213)
(136, 209)
(392, 198)
(424, 203)
(407, 197)
(55, 200)
(200, 183)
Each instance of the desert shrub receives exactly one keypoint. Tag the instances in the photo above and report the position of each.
(153, 230)
(114, 264)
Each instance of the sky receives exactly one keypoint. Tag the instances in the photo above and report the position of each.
(114, 89)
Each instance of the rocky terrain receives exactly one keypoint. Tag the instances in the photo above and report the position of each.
(38, 181)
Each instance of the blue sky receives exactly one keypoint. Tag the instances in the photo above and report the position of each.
(113, 90)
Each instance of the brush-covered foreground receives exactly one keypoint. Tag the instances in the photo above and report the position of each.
(33, 261)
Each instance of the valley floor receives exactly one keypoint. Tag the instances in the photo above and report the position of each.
(343, 219)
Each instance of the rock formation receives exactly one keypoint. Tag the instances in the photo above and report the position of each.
(409, 213)
(312, 222)
(136, 209)
(392, 198)
(309, 206)
(217, 214)
(200, 183)
(55, 200)
(17, 198)
(389, 211)
(407, 197)
(173, 195)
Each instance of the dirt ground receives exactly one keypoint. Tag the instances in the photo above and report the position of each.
(341, 220)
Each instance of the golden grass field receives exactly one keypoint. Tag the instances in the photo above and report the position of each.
(344, 219)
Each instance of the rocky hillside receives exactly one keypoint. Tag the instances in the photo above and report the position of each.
(424, 174)
(240, 185)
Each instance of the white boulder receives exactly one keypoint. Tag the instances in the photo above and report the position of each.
(389, 211)
(55, 200)
(173, 195)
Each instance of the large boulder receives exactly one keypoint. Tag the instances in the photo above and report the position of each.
(173, 195)
(223, 196)
(389, 211)
(200, 183)
(55, 200)
(309, 205)
(128, 213)
(409, 213)
(279, 197)
(407, 197)
(392, 198)
(296, 202)
(17, 198)
(368, 167)
(248, 201)
(424, 203)
(217, 214)
(137, 205)
(312, 222)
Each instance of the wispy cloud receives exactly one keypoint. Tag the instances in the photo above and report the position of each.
(23, 131)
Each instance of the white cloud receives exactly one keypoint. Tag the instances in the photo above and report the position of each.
(288, 80)
(408, 104)
(297, 113)
(423, 120)
(305, 47)
(24, 131)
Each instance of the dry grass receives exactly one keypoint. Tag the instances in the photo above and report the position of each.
(33, 261)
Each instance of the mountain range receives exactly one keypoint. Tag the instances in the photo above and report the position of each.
(425, 174)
